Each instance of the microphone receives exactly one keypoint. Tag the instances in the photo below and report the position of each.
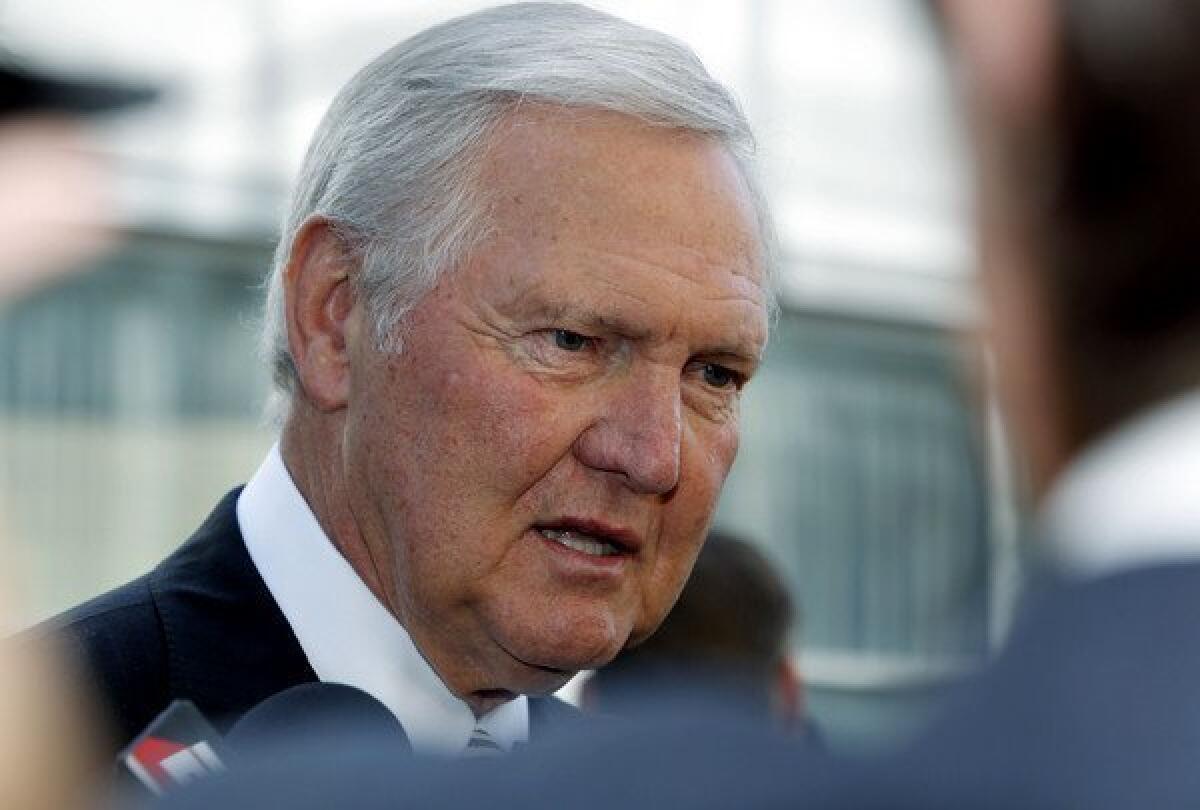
(181, 746)
(310, 716)
(178, 747)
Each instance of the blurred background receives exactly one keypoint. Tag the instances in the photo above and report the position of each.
(130, 395)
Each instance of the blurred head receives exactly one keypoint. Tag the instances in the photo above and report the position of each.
(53, 189)
(1086, 123)
(734, 620)
(522, 284)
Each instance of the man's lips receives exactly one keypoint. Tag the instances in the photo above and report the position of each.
(588, 536)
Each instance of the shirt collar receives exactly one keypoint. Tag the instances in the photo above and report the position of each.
(347, 635)
(1133, 498)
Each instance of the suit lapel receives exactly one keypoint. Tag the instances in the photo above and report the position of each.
(229, 647)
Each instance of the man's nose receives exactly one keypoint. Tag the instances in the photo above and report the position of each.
(637, 436)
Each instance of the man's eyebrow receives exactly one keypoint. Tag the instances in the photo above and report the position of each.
(592, 321)
(744, 353)
(747, 351)
(615, 324)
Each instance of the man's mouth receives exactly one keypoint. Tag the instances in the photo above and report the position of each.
(590, 537)
(581, 542)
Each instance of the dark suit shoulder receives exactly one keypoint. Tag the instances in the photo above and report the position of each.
(201, 626)
(117, 639)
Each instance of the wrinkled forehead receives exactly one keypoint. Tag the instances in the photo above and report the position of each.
(560, 171)
(646, 232)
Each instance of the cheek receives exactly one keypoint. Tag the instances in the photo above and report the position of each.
(499, 427)
(463, 444)
(708, 454)
(706, 462)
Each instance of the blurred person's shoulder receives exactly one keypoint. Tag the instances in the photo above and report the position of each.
(1091, 704)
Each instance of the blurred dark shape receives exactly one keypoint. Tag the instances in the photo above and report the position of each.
(1086, 125)
(1086, 129)
(1103, 177)
(732, 625)
(313, 714)
(25, 91)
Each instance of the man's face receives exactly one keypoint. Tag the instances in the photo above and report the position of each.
(535, 472)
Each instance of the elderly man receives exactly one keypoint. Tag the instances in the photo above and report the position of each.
(521, 284)
(1086, 121)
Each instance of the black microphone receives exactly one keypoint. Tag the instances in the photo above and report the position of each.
(181, 745)
(178, 747)
(313, 715)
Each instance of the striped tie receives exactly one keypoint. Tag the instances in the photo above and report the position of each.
(481, 744)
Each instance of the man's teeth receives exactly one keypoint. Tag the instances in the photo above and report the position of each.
(580, 542)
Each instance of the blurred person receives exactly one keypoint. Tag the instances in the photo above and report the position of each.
(521, 283)
(732, 625)
(1085, 120)
(51, 198)
(1086, 125)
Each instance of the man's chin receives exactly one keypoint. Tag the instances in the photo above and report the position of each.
(547, 645)
(545, 684)
(532, 679)
(542, 671)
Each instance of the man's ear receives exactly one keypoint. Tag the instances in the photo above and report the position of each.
(319, 300)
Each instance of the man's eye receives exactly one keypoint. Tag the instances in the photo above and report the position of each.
(570, 341)
(720, 377)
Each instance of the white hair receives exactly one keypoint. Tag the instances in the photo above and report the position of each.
(391, 166)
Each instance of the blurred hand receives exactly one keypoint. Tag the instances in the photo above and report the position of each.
(53, 202)
(47, 732)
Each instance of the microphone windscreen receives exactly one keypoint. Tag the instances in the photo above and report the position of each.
(315, 713)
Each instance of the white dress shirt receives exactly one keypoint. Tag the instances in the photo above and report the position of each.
(1133, 498)
(347, 635)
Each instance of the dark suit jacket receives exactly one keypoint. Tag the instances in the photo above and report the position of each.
(201, 626)
(1095, 704)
